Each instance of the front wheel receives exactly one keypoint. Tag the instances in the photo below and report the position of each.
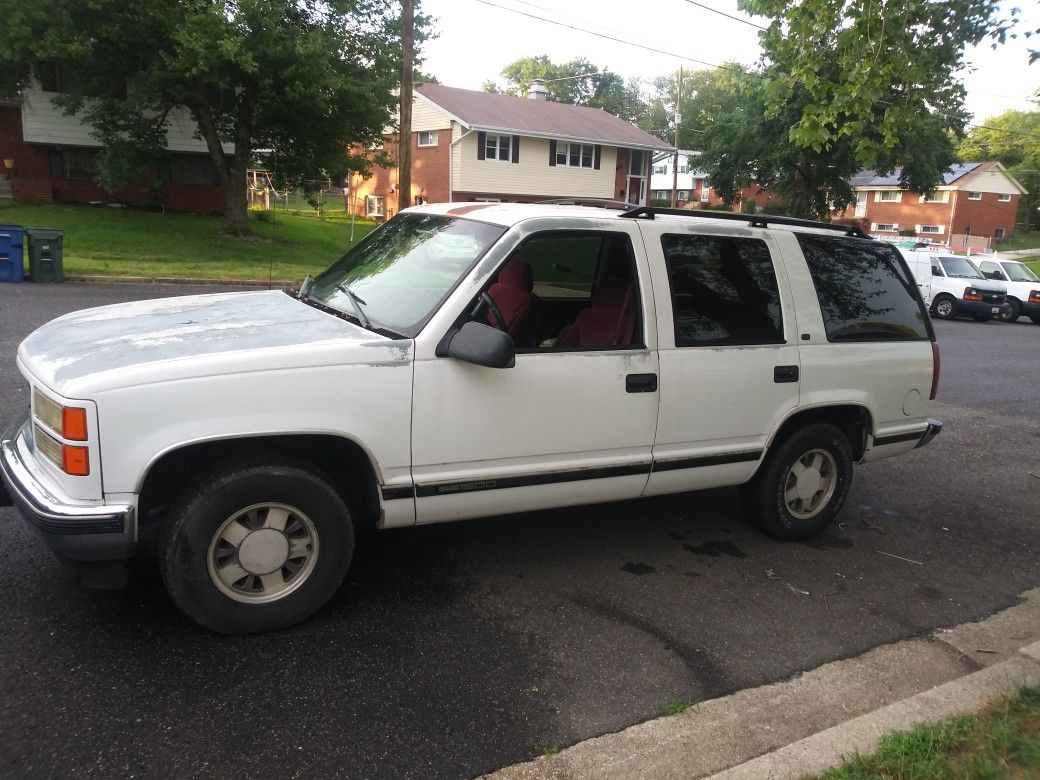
(944, 308)
(803, 483)
(256, 546)
(1012, 311)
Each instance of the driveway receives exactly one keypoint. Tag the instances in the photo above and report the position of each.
(452, 650)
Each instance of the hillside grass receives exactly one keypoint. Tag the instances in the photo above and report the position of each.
(110, 242)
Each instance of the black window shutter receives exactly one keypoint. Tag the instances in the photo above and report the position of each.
(596, 156)
(481, 143)
(516, 148)
(57, 164)
(552, 153)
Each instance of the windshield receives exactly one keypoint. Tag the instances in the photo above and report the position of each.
(960, 268)
(397, 277)
(1019, 272)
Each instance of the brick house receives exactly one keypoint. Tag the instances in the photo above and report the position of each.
(479, 146)
(693, 190)
(978, 199)
(51, 159)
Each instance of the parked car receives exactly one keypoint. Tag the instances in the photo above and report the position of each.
(952, 286)
(467, 360)
(1023, 287)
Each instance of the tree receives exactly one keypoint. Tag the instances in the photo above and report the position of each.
(1013, 138)
(872, 73)
(303, 78)
(577, 81)
(743, 140)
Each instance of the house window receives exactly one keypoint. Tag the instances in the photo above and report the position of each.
(189, 169)
(886, 227)
(78, 163)
(934, 229)
(1003, 198)
(705, 192)
(974, 196)
(999, 233)
(428, 138)
(374, 205)
(936, 197)
(682, 196)
(890, 196)
(497, 147)
(575, 155)
(660, 169)
(684, 168)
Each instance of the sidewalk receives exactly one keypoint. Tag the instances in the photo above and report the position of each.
(806, 724)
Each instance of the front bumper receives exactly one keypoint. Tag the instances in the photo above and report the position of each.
(978, 308)
(90, 536)
(1030, 309)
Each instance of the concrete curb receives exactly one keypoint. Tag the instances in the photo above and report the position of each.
(808, 723)
(278, 284)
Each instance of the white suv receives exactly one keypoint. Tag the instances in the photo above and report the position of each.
(467, 360)
(1023, 287)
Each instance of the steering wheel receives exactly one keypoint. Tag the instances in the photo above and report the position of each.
(500, 319)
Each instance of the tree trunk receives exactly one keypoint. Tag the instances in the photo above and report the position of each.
(801, 197)
(232, 174)
(236, 211)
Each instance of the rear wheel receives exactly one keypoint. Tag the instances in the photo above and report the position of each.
(256, 546)
(1012, 311)
(802, 485)
(944, 307)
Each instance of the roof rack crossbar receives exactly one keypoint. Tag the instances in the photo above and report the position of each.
(754, 220)
(604, 203)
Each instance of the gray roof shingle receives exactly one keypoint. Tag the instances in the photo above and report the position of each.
(523, 116)
(873, 179)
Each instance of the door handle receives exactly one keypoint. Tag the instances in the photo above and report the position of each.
(641, 383)
(783, 374)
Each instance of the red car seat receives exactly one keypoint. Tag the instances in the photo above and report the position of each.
(511, 292)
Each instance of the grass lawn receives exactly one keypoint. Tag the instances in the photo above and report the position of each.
(1003, 741)
(135, 243)
(1022, 239)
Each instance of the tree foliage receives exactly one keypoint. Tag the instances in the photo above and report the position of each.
(302, 78)
(867, 71)
(1013, 138)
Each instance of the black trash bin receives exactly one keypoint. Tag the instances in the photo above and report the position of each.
(46, 260)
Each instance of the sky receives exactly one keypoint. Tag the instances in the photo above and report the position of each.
(477, 38)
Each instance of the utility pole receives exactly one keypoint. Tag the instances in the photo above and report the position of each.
(404, 145)
(678, 121)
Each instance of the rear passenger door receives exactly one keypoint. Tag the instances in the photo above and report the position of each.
(728, 351)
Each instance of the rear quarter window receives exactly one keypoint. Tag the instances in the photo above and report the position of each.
(865, 291)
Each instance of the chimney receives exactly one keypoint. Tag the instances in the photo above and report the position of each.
(537, 90)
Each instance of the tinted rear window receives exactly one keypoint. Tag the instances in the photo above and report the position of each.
(865, 291)
(723, 290)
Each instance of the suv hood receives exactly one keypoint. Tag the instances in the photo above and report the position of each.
(199, 335)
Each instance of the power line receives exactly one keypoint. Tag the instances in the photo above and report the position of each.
(599, 35)
(748, 22)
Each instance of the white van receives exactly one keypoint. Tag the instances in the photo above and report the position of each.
(1023, 287)
(952, 286)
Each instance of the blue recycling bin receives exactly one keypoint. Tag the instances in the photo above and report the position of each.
(12, 239)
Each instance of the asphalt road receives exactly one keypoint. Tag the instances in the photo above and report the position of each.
(455, 649)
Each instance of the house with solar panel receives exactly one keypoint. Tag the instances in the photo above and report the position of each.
(978, 199)
(472, 146)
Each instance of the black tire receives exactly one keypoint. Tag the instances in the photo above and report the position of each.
(1012, 312)
(1036, 320)
(190, 540)
(944, 307)
(763, 497)
(982, 317)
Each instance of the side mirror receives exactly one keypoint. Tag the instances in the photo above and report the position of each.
(482, 345)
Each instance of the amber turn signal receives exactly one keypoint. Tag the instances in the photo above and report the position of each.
(74, 423)
(75, 460)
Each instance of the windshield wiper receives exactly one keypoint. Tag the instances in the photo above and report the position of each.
(357, 303)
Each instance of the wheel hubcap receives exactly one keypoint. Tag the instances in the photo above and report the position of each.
(944, 308)
(263, 553)
(810, 484)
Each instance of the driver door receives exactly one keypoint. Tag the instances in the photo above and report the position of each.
(563, 426)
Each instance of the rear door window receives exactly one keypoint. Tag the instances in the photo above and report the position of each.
(865, 291)
(724, 290)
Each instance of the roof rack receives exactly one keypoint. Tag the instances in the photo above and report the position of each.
(603, 203)
(754, 220)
